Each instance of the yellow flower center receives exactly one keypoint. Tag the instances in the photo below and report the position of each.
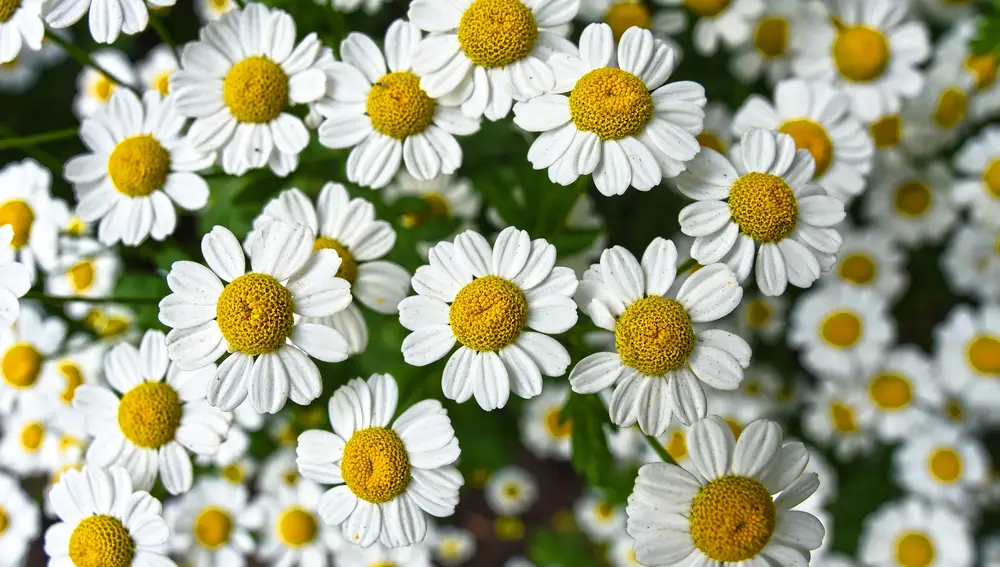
(758, 313)
(212, 527)
(32, 435)
(991, 176)
(735, 426)
(841, 329)
(488, 314)
(509, 528)
(654, 335)
(771, 37)
(81, 275)
(220, 5)
(20, 216)
(764, 206)
(138, 165)
(842, 417)
(751, 387)
(297, 527)
(951, 108)
(291, 478)
(149, 414)
(67, 442)
(912, 198)
(21, 365)
(890, 392)
(604, 511)
(859, 268)
(709, 140)
(984, 354)
(556, 428)
(76, 227)
(234, 473)
(511, 490)
(732, 518)
(4, 520)
(348, 265)
(624, 15)
(861, 53)
(810, 135)
(954, 411)
(677, 446)
(611, 103)
(886, 131)
(101, 541)
(254, 312)
(398, 107)
(161, 82)
(707, 8)
(7, 9)
(102, 88)
(914, 549)
(945, 465)
(255, 90)
(435, 207)
(496, 33)
(376, 466)
(383, 564)
(983, 68)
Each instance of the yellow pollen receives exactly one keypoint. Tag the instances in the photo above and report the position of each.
(21, 365)
(624, 15)
(76, 227)
(764, 206)
(435, 207)
(212, 527)
(556, 428)
(32, 436)
(233, 473)
(4, 520)
(161, 82)
(297, 527)
(914, 549)
(913, 198)
(861, 53)
(291, 478)
(771, 37)
(991, 176)
(255, 90)
(611, 103)
(709, 140)
(254, 313)
(983, 68)
(398, 107)
(707, 8)
(859, 268)
(887, 131)
(810, 135)
(509, 528)
(842, 417)
(605, 511)
(20, 216)
(488, 314)
(149, 414)
(654, 335)
(376, 466)
(138, 165)
(890, 392)
(101, 541)
(74, 377)
(732, 518)
(758, 313)
(984, 355)
(841, 329)
(677, 446)
(951, 108)
(954, 410)
(496, 33)
(945, 465)
(348, 265)
(102, 88)
(7, 9)
(81, 275)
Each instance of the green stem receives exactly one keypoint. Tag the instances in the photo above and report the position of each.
(38, 138)
(41, 156)
(660, 450)
(52, 300)
(84, 58)
(687, 265)
(161, 30)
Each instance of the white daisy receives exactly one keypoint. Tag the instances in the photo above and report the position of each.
(674, 442)
(967, 351)
(739, 410)
(870, 259)
(20, 24)
(510, 491)
(718, 131)
(26, 205)
(370, 6)
(838, 416)
(85, 268)
(724, 513)
(619, 120)
(241, 472)
(621, 551)
(972, 261)
(486, 54)
(624, 14)
(944, 465)
(381, 556)
(938, 115)
(29, 445)
(107, 18)
(212, 10)
(871, 50)
(730, 22)
(599, 519)
(386, 477)
(15, 280)
(764, 196)
(912, 203)
(232, 449)
(112, 323)
(451, 545)
(94, 88)
(902, 393)
(777, 36)
(543, 430)
(444, 197)
(762, 380)
(761, 317)
(978, 164)
(661, 359)
(19, 522)
(156, 68)
(208, 525)
(25, 351)
(251, 316)
(238, 81)
(289, 528)
(953, 53)
(910, 532)
(83, 363)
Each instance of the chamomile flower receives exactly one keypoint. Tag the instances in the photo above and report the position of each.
(870, 259)
(725, 513)
(251, 316)
(16, 280)
(20, 25)
(369, 6)
(444, 197)
(25, 351)
(451, 545)
(543, 430)
(112, 323)
(107, 18)
(94, 88)
(510, 491)
(386, 476)
(777, 36)
(486, 54)
(83, 363)
(85, 268)
(26, 205)
(399, 121)
(938, 115)
(19, 522)
(730, 22)
(212, 10)
(238, 81)
(486, 298)
(232, 449)
(838, 416)
(156, 68)
(910, 532)
(619, 120)
(208, 525)
(599, 519)
(738, 410)
(978, 164)
(761, 317)
(944, 465)
(953, 54)
(29, 445)
(661, 359)
(764, 196)
(241, 471)
(718, 131)
(621, 551)
(279, 469)
(912, 203)
(902, 393)
(967, 351)
(380, 556)
(290, 529)
(972, 261)
(674, 442)
(348, 227)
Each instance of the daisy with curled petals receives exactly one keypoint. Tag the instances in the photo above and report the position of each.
(107, 18)
(978, 164)
(252, 316)
(724, 513)
(26, 204)
(486, 299)
(379, 108)
(349, 227)
(238, 81)
(15, 279)
(103, 522)
(386, 477)
(730, 22)
(20, 24)
(764, 197)
(145, 423)
(208, 525)
(620, 120)
(661, 359)
(486, 54)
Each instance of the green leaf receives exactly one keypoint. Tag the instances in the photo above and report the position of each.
(591, 456)
(552, 549)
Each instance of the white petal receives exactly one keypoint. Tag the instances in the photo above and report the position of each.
(710, 444)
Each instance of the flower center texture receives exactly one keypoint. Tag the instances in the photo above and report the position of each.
(861, 53)
(81, 275)
(764, 206)
(886, 131)
(149, 414)
(912, 198)
(983, 68)
(732, 518)
(709, 140)
(348, 265)
(254, 312)
(297, 527)
(255, 90)
(890, 392)
(398, 107)
(556, 428)
(7, 9)
(707, 8)
(951, 108)
(212, 527)
(984, 354)
(101, 541)
(488, 314)
(138, 165)
(376, 466)
(32, 435)
(624, 15)
(945, 465)
(914, 550)
(842, 417)
(858, 268)
(991, 176)
(654, 335)
(20, 216)
(21, 365)
(758, 313)
(611, 103)
(771, 37)
(809, 135)
(841, 329)
(103, 87)
(496, 33)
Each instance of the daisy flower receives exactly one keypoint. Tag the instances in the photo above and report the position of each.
(20, 24)
(718, 131)
(399, 120)
(902, 393)
(661, 359)
(380, 556)
(599, 519)
(913, 204)
(252, 316)
(94, 88)
(279, 469)
(730, 22)
(619, 120)
(237, 83)
(510, 491)
(112, 323)
(978, 164)
(240, 472)
(543, 430)
(725, 512)
(29, 445)
(952, 53)
(348, 227)
(870, 259)
(938, 115)
(967, 351)
(290, 529)
(451, 545)
(838, 416)
(777, 36)
(15, 280)
(911, 532)
(944, 465)
(81, 364)
(738, 410)
(26, 205)
(972, 261)
(624, 14)
(762, 380)
(621, 551)
(444, 197)
(156, 68)
(370, 6)
(486, 299)
(413, 456)
(85, 268)
(208, 525)
(104, 523)
(107, 18)
(674, 442)
(25, 351)
(19, 519)
(761, 316)
(212, 10)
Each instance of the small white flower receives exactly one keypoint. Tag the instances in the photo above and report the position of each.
(29, 445)
(15, 278)
(911, 532)
(20, 25)
(156, 68)
(279, 469)
(26, 204)
(380, 556)
(107, 18)
(944, 465)
(953, 54)
(452, 545)
(837, 415)
(543, 430)
(912, 203)
(967, 352)
(94, 88)
(903, 395)
(761, 317)
(25, 351)
(730, 22)
(209, 524)
(291, 531)
(510, 491)
(972, 261)
(85, 268)
(212, 10)
(870, 259)
(978, 164)
(935, 118)
(599, 519)
(21, 522)
(445, 196)
(778, 34)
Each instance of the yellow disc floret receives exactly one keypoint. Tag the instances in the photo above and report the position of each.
(841, 329)
(732, 518)
(914, 549)
(74, 378)
(707, 8)
(912, 198)
(810, 135)
(255, 90)
(860, 53)
(348, 265)
(81, 275)
(297, 527)
(4, 520)
(709, 140)
(951, 108)
(488, 314)
(102, 87)
(624, 15)
(20, 216)
(859, 268)
(555, 426)
(496, 33)
(21, 365)
(376, 466)
(945, 465)
(983, 68)
(101, 541)
(212, 527)
(654, 335)
(435, 207)
(984, 354)
(611, 103)
(254, 312)
(162, 83)
(7, 9)
(138, 165)
(764, 206)
(771, 37)
(887, 131)
(149, 414)
(398, 107)
(842, 417)
(991, 177)
(32, 435)
(890, 392)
